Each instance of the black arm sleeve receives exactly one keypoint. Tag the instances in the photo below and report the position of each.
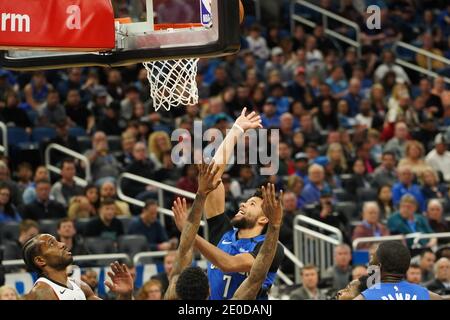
(217, 227)
(277, 260)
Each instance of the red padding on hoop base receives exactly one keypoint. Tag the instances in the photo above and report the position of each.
(72, 25)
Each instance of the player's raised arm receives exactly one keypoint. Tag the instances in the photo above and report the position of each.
(273, 210)
(183, 258)
(215, 202)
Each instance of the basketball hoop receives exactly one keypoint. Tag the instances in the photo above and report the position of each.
(172, 82)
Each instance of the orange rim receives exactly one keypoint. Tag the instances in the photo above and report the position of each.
(163, 26)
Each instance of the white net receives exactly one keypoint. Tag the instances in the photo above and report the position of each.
(172, 82)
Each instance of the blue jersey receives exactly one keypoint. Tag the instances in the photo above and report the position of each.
(223, 285)
(396, 291)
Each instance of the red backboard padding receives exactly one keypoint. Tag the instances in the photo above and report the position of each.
(78, 25)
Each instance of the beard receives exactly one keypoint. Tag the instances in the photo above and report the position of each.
(61, 263)
(242, 223)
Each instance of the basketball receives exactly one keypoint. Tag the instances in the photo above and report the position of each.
(241, 12)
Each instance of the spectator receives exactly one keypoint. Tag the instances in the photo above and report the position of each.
(141, 166)
(90, 277)
(126, 156)
(337, 158)
(407, 221)
(310, 132)
(435, 218)
(174, 11)
(5, 179)
(386, 173)
(433, 103)
(8, 211)
(158, 144)
(340, 273)
(115, 87)
(428, 45)
(439, 157)
(384, 200)
(414, 274)
(63, 138)
(24, 176)
(63, 190)
(309, 289)
(27, 230)
(77, 111)
(93, 195)
(147, 224)
(431, 188)
(326, 118)
(68, 235)
(287, 128)
(150, 290)
(389, 65)
(79, 208)
(29, 195)
(337, 82)
(108, 191)
(52, 111)
(441, 282)
(370, 225)
(247, 183)
(398, 143)
(299, 89)
(257, 44)
(414, 152)
(353, 96)
(360, 179)
(169, 260)
(426, 263)
(290, 212)
(106, 225)
(312, 190)
(220, 81)
(367, 118)
(13, 114)
(131, 100)
(8, 293)
(295, 184)
(407, 186)
(110, 123)
(301, 165)
(103, 164)
(277, 62)
(43, 207)
(269, 117)
(36, 91)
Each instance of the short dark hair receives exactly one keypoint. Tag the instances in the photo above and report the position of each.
(309, 267)
(67, 160)
(27, 224)
(150, 202)
(414, 266)
(31, 250)
(425, 251)
(107, 202)
(394, 257)
(24, 165)
(64, 220)
(388, 153)
(192, 284)
(43, 181)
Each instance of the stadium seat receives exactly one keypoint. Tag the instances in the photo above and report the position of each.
(41, 134)
(97, 245)
(9, 231)
(11, 250)
(342, 195)
(348, 209)
(366, 194)
(161, 127)
(17, 135)
(125, 222)
(85, 143)
(80, 224)
(115, 143)
(77, 132)
(346, 179)
(48, 226)
(132, 244)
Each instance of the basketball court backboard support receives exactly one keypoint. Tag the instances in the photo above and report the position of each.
(144, 41)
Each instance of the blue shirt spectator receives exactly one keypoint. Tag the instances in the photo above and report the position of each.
(406, 186)
(147, 224)
(313, 188)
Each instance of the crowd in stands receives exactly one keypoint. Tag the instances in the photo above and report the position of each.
(363, 143)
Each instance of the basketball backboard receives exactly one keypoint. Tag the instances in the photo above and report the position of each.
(114, 33)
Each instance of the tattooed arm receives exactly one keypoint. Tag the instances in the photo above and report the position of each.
(273, 210)
(41, 291)
(185, 249)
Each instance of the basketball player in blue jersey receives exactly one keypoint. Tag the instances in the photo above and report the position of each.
(49, 258)
(393, 260)
(192, 283)
(234, 244)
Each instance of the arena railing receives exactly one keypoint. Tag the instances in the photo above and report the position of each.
(325, 16)
(430, 58)
(417, 236)
(314, 247)
(4, 146)
(161, 187)
(86, 163)
(82, 258)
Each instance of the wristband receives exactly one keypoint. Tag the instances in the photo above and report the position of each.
(239, 127)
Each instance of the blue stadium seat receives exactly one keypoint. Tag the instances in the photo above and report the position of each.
(125, 222)
(9, 231)
(162, 127)
(133, 244)
(17, 135)
(43, 133)
(77, 132)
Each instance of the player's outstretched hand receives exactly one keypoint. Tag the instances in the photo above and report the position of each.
(250, 121)
(206, 177)
(122, 281)
(180, 213)
(272, 208)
